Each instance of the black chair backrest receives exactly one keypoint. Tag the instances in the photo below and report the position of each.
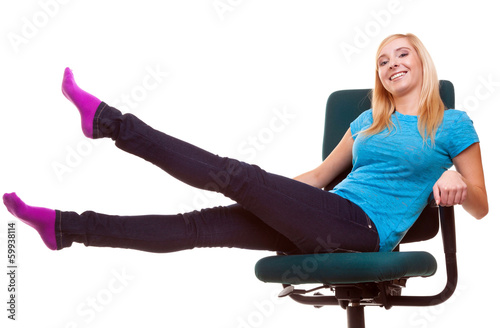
(345, 106)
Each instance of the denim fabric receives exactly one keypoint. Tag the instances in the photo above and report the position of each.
(272, 212)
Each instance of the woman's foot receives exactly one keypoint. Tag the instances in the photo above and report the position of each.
(42, 219)
(85, 102)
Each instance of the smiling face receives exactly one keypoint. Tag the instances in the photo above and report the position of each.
(400, 68)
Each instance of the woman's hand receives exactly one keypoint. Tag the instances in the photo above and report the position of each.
(450, 189)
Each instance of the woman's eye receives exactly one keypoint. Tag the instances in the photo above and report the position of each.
(383, 63)
(404, 54)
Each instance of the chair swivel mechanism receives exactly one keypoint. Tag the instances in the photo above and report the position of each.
(358, 280)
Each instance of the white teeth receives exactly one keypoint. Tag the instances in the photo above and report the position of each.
(397, 75)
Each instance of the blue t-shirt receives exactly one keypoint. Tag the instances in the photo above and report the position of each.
(393, 173)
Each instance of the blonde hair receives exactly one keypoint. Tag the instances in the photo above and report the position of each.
(430, 108)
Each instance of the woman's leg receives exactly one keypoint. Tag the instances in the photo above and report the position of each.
(314, 220)
(230, 226)
(307, 216)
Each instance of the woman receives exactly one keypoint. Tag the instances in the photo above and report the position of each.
(401, 151)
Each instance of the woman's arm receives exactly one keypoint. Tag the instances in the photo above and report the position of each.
(339, 159)
(465, 186)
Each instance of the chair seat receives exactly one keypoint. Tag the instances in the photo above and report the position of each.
(344, 268)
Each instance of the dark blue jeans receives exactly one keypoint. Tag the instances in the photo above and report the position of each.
(272, 212)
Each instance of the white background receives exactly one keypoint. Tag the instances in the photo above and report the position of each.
(224, 69)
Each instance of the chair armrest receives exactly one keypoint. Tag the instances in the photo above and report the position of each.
(447, 220)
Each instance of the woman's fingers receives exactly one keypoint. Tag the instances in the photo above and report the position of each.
(450, 189)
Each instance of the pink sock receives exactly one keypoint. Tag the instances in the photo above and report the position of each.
(85, 102)
(42, 219)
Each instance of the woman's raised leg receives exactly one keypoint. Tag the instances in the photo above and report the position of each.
(307, 216)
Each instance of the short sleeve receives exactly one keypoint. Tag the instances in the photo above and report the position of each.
(461, 134)
(362, 122)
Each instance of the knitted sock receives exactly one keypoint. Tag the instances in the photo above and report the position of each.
(42, 219)
(85, 102)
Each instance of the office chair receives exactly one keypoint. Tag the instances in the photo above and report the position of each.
(366, 279)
